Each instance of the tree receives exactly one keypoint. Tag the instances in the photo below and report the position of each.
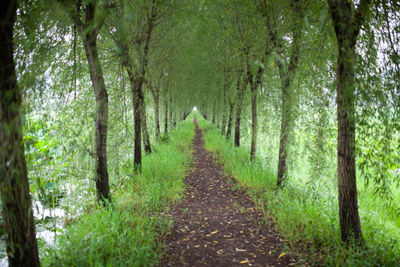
(230, 117)
(347, 22)
(224, 102)
(22, 247)
(136, 69)
(254, 83)
(287, 66)
(145, 131)
(240, 94)
(166, 94)
(89, 25)
(155, 93)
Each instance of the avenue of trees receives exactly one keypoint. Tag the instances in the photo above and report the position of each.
(309, 87)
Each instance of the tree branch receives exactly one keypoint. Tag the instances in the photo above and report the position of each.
(360, 16)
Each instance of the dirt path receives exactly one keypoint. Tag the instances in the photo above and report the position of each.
(216, 226)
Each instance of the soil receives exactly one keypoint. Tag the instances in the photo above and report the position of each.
(215, 225)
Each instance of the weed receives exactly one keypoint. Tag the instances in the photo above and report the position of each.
(128, 233)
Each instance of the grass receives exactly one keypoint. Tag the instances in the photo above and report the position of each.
(129, 232)
(307, 215)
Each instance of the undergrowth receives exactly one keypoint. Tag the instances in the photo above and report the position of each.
(308, 216)
(128, 232)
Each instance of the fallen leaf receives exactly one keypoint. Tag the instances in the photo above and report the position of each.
(245, 261)
(281, 255)
(240, 250)
(213, 233)
(221, 251)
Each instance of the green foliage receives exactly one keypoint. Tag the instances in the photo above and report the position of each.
(127, 233)
(307, 214)
(195, 50)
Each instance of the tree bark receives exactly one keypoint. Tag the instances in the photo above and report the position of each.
(89, 31)
(347, 27)
(166, 113)
(214, 111)
(223, 122)
(286, 120)
(19, 225)
(136, 82)
(155, 92)
(253, 90)
(230, 119)
(157, 116)
(145, 132)
(240, 95)
(253, 148)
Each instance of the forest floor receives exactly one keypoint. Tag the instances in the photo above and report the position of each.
(216, 225)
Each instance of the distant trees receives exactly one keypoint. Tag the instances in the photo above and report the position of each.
(16, 201)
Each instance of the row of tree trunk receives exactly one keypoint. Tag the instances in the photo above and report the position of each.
(14, 187)
(347, 23)
(22, 249)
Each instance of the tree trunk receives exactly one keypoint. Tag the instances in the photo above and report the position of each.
(166, 113)
(285, 129)
(22, 247)
(155, 93)
(347, 27)
(137, 98)
(170, 109)
(89, 36)
(230, 119)
(253, 148)
(214, 111)
(137, 79)
(145, 132)
(240, 95)
(253, 90)
(348, 207)
(287, 75)
(157, 115)
(223, 122)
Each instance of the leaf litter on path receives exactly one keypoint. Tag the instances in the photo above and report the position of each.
(219, 226)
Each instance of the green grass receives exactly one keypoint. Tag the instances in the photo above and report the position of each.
(307, 215)
(129, 233)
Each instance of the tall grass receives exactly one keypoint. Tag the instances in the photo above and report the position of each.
(128, 232)
(307, 215)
